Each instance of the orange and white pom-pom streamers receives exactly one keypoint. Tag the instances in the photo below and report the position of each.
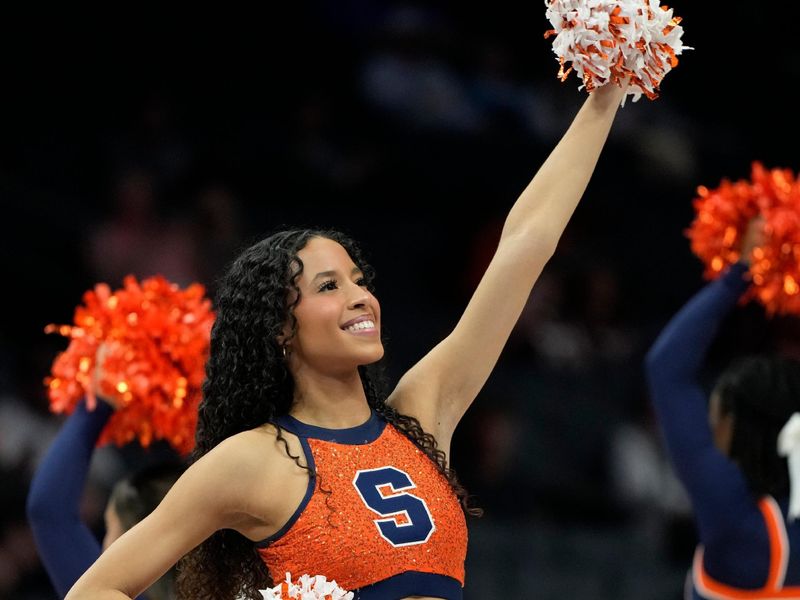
(156, 338)
(633, 41)
(721, 219)
(306, 588)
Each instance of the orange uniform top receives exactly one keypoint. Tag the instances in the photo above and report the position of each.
(377, 517)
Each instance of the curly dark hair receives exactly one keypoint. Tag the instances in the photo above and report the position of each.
(248, 384)
(761, 392)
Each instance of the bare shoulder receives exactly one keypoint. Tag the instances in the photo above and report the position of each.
(241, 475)
(256, 454)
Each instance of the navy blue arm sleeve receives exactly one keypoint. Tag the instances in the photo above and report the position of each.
(715, 485)
(66, 545)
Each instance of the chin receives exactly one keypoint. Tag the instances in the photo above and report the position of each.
(373, 356)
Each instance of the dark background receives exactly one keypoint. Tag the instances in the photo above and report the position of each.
(155, 143)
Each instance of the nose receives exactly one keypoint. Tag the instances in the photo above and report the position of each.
(359, 296)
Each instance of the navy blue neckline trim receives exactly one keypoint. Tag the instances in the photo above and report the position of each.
(367, 432)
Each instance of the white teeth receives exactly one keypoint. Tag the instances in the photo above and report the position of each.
(361, 325)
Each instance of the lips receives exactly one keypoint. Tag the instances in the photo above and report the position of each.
(358, 320)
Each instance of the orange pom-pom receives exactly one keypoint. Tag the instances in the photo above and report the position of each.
(157, 338)
(722, 216)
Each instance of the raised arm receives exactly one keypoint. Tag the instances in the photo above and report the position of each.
(439, 389)
(673, 364)
(65, 544)
(720, 495)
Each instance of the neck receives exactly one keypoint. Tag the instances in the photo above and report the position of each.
(334, 402)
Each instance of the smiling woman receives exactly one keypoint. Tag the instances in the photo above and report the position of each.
(340, 316)
(303, 462)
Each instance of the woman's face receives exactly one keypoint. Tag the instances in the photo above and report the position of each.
(338, 319)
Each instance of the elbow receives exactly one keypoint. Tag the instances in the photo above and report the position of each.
(37, 509)
(46, 512)
(662, 372)
(651, 362)
(541, 239)
(534, 244)
(657, 356)
(655, 370)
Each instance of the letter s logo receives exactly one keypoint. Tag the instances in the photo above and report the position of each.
(406, 519)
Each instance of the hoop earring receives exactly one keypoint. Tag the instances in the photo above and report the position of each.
(285, 351)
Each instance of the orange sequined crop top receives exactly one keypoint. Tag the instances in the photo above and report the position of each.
(377, 516)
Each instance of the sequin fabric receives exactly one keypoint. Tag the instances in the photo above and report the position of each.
(338, 534)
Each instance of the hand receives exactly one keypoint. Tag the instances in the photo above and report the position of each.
(754, 237)
(99, 374)
(611, 93)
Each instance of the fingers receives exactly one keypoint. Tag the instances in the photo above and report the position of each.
(99, 375)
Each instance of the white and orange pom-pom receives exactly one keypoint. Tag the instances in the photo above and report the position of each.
(633, 41)
(306, 588)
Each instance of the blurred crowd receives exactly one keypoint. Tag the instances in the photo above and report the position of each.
(412, 128)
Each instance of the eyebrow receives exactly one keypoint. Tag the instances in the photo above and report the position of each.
(355, 271)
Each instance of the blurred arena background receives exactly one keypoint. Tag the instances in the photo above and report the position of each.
(148, 144)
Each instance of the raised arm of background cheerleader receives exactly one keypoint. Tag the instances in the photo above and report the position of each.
(439, 389)
(65, 543)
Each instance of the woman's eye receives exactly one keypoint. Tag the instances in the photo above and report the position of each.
(361, 281)
(327, 286)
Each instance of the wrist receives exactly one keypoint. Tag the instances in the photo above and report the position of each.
(609, 96)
